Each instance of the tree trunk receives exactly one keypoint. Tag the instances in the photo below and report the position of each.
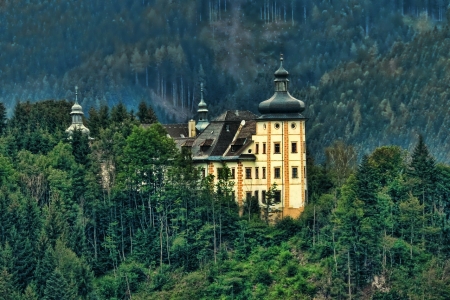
(349, 274)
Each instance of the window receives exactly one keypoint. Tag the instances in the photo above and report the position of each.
(248, 173)
(294, 172)
(277, 125)
(256, 196)
(256, 173)
(256, 148)
(277, 197)
(263, 197)
(294, 147)
(264, 173)
(304, 172)
(276, 148)
(277, 172)
(264, 148)
(203, 173)
(233, 173)
(248, 196)
(304, 147)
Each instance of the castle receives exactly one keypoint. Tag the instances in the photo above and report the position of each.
(260, 151)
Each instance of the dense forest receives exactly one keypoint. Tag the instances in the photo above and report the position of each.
(158, 51)
(127, 216)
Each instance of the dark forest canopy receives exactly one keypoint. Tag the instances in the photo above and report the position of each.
(159, 51)
(128, 216)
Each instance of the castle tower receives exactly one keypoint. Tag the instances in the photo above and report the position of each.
(280, 146)
(202, 112)
(77, 118)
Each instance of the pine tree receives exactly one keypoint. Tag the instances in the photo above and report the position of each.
(145, 114)
(2, 118)
(30, 293)
(372, 224)
(45, 267)
(423, 168)
(80, 147)
(119, 113)
(7, 290)
(57, 288)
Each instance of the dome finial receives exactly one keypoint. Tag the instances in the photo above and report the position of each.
(202, 112)
(281, 59)
(76, 94)
(201, 92)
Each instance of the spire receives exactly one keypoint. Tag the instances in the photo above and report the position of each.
(202, 103)
(77, 117)
(281, 73)
(281, 102)
(76, 94)
(202, 112)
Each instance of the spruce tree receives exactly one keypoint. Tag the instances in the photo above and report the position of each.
(423, 168)
(57, 288)
(2, 118)
(145, 114)
(44, 269)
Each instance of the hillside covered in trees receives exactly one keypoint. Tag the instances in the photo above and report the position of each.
(158, 51)
(127, 216)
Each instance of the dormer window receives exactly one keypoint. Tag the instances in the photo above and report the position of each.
(238, 143)
(206, 144)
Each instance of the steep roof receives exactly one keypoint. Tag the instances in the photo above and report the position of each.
(215, 142)
(177, 130)
(235, 115)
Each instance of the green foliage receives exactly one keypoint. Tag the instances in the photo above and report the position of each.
(127, 215)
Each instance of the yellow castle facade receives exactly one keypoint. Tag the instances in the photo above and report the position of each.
(260, 151)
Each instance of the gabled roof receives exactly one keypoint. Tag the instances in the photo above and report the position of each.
(227, 130)
(235, 115)
(242, 139)
(177, 130)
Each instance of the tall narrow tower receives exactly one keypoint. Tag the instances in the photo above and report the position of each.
(202, 112)
(77, 117)
(281, 132)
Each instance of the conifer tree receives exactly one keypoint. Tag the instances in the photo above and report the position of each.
(57, 288)
(423, 168)
(145, 114)
(45, 267)
(2, 118)
(119, 113)
(7, 290)
(80, 147)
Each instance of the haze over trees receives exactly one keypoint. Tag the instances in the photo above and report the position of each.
(125, 51)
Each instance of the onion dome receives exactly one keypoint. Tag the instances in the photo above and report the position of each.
(77, 117)
(202, 112)
(281, 102)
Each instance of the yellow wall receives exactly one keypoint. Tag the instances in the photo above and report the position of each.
(293, 190)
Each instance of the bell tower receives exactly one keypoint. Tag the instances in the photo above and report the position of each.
(280, 141)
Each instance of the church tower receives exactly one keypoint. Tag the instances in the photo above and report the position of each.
(280, 146)
(77, 118)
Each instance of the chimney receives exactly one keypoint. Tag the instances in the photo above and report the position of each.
(191, 128)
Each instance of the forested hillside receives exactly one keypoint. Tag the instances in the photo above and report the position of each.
(127, 216)
(159, 50)
(388, 99)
